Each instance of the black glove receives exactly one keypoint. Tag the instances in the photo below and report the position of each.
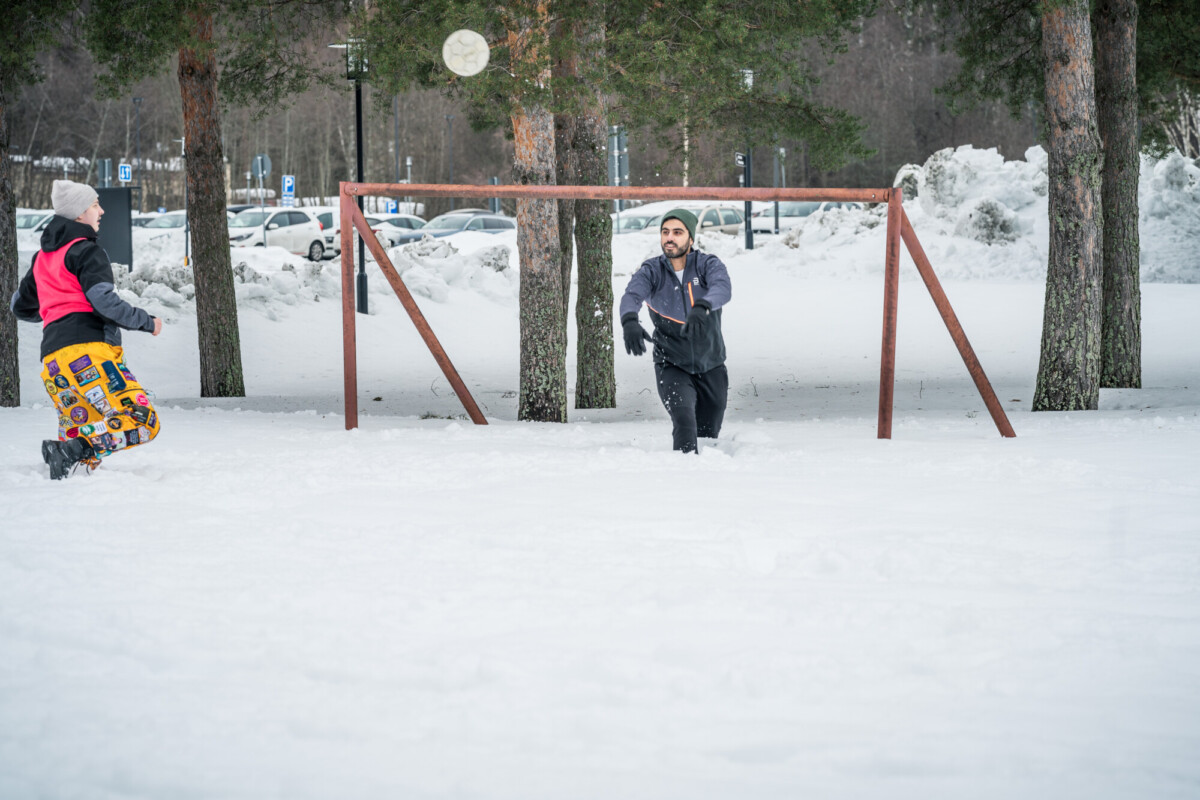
(697, 318)
(634, 334)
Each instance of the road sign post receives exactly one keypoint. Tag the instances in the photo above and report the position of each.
(288, 195)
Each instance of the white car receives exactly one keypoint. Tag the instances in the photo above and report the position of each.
(632, 222)
(164, 227)
(391, 227)
(790, 213)
(330, 218)
(30, 225)
(33, 221)
(293, 229)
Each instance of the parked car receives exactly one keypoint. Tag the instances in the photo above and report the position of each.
(790, 214)
(330, 218)
(393, 226)
(449, 224)
(631, 222)
(235, 210)
(718, 219)
(33, 221)
(293, 229)
(170, 220)
(30, 224)
(141, 220)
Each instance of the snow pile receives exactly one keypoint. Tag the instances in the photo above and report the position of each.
(1169, 204)
(981, 217)
(430, 267)
(163, 284)
(984, 197)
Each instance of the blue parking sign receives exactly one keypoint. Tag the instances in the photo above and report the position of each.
(124, 173)
(289, 185)
(391, 206)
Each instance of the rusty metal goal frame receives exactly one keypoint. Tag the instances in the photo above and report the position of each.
(898, 229)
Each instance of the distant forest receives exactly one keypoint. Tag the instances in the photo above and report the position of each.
(887, 78)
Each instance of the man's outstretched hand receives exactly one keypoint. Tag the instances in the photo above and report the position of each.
(635, 335)
(697, 318)
(157, 326)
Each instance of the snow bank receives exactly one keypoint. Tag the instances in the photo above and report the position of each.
(981, 217)
(1169, 205)
(431, 267)
(978, 216)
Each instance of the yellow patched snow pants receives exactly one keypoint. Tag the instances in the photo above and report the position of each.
(98, 398)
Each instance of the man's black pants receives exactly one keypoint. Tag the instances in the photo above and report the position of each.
(696, 403)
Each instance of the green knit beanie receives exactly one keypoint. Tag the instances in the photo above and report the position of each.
(686, 217)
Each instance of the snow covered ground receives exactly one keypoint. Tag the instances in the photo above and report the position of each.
(261, 604)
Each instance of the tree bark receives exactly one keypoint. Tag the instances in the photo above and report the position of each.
(1117, 107)
(595, 380)
(216, 302)
(10, 270)
(1069, 371)
(543, 329)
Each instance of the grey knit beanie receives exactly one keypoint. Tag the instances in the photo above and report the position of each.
(72, 199)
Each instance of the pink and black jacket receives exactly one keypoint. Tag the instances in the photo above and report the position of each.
(704, 281)
(69, 289)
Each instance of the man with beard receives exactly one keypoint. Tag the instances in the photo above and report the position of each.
(684, 290)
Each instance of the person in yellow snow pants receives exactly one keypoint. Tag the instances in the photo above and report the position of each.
(98, 399)
(70, 290)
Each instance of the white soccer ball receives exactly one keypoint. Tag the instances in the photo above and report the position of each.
(465, 52)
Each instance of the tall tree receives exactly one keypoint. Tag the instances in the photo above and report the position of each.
(581, 139)
(1069, 370)
(1001, 45)
(543, 395)
(29, 25)
(1115, 35)
(254, 55)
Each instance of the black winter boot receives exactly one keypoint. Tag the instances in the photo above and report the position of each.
(61, 456)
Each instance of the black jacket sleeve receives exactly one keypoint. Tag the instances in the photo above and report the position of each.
(90, 264)
(24, 302)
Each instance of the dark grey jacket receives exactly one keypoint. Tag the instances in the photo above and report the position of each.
(671, 298)
(88, 262)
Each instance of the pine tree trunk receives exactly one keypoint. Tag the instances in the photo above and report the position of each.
(1069, 371)
(543, 327)
(1117, 107)
(10, 271)
(543, 331)
(595, 381)
(216, 302)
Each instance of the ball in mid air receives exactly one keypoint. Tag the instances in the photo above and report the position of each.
(465, 52)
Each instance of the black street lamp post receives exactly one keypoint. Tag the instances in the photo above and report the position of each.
(356, 70)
